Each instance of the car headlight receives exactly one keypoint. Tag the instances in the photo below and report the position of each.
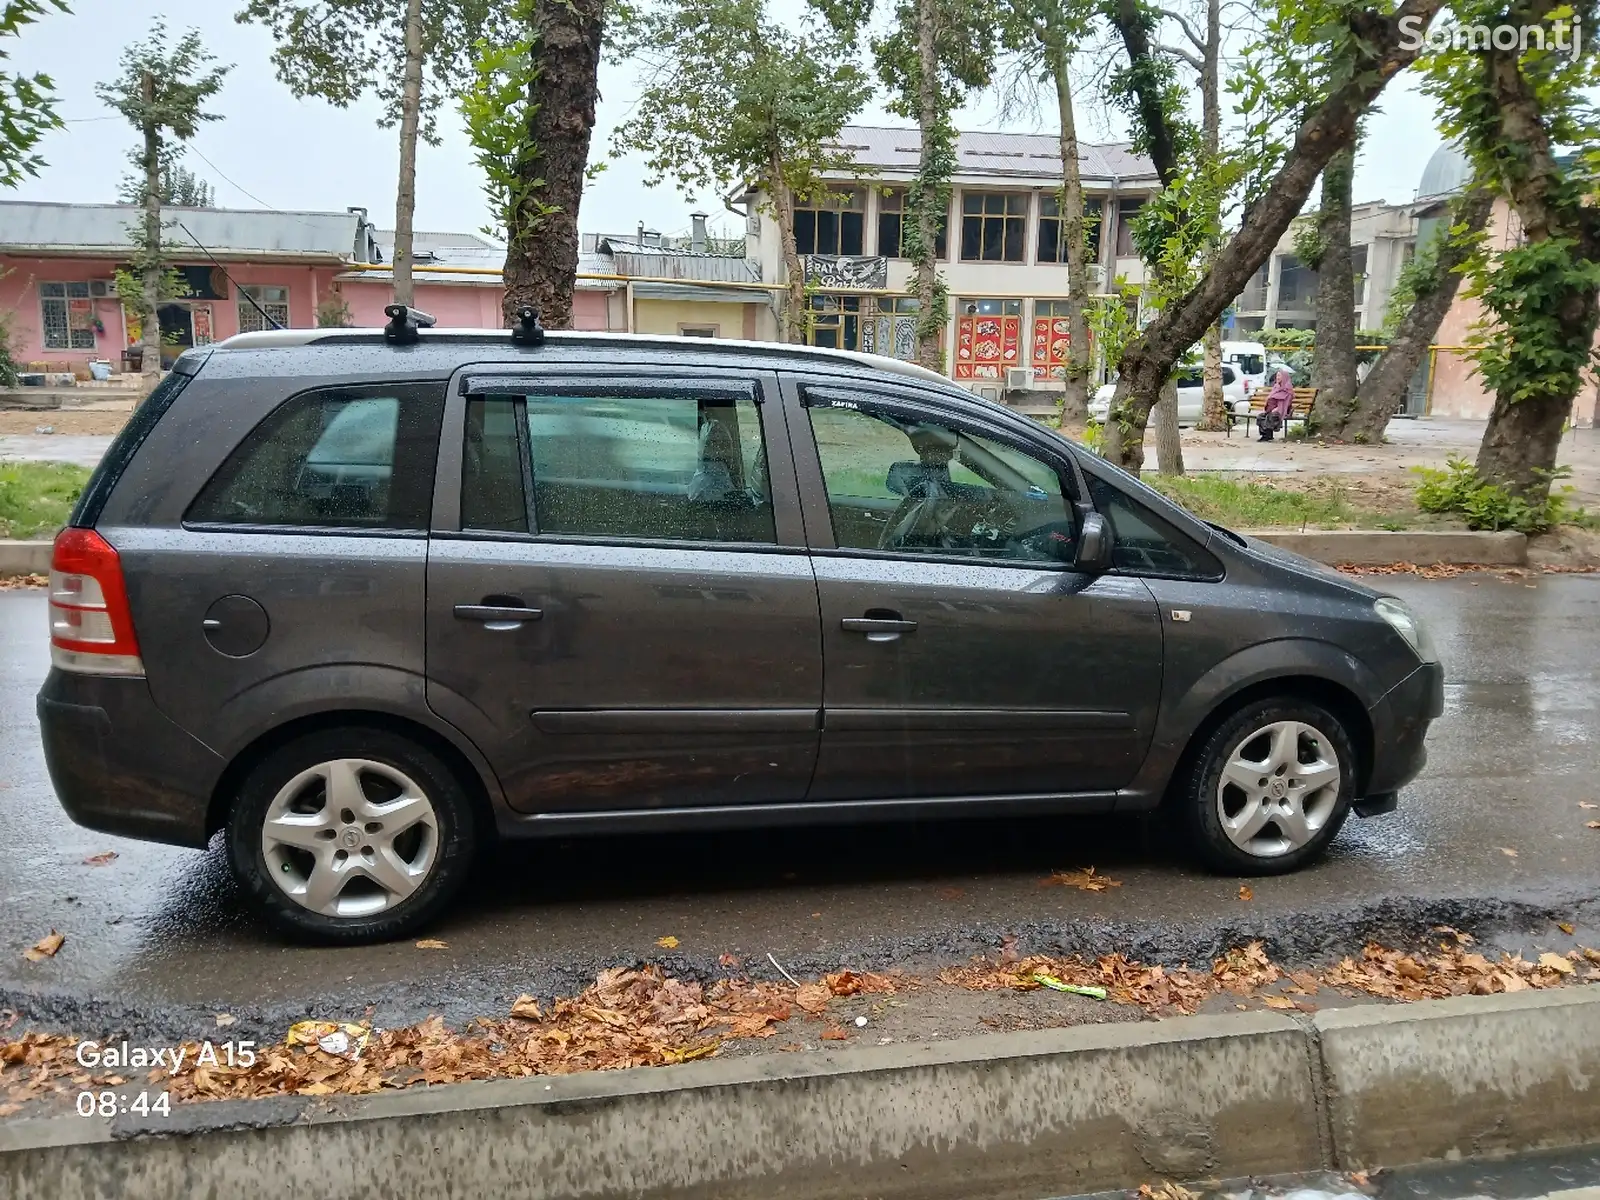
(1408, 625)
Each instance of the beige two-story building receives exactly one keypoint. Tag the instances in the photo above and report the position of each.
(1000, 253)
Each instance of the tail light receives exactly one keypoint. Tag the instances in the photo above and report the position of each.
(91, 628)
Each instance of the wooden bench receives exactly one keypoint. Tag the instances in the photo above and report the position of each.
(1299, 407)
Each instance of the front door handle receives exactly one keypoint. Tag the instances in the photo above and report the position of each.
(498, 616)
(878, 629)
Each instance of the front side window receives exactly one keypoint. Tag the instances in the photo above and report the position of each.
(829, 224)
(273, 301)
(904, 484)
(994, 226)
(67, 316)
(668, 464)
(1146, 544)
(356, 458)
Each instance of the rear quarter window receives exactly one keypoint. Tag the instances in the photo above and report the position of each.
(337, 458)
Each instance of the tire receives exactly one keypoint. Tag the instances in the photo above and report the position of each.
(427, 846)
(1208, 805)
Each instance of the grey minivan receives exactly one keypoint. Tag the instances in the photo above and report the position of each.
(366, 600)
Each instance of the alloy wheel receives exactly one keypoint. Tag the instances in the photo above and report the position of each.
(1279, 787)
(350, 837)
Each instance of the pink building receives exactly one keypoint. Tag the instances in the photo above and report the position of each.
(245, 270)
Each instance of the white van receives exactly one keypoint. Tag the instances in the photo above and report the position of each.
(1249, 359)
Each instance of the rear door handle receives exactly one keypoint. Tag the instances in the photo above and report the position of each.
(877, 629)
(497, 616)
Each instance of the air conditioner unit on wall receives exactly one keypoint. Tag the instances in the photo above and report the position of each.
(102, 289)
(1095, 273)
(1018, 378)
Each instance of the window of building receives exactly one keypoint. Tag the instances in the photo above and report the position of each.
(836, 322)
(988, 338)
(674, 463)
(1127, 211)
(339, 458)
(1297, 283)
(701, 331)
(1052, 339)
(1052, 238)
(994, 226)
(67, 316)
(894, 224)
(274, 301)
(1358, 269)
(900, 484)
(829, 224)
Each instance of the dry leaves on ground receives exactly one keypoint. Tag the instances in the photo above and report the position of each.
(1426, 570)
(432, 944)
(1454, 971)
(101, 859)
(1083, 879)
(1591, 824)
(1246, 892)
(45, 947)
(667, 943)
(7, 582)
(1587, 804)
(1155, 989)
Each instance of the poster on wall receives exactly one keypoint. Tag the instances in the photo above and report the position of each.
(1052, 346)
(134, 326)
(201, 313)
(986, 346)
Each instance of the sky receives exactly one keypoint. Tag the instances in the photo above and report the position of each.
(273, 151)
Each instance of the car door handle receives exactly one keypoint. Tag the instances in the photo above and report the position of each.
(497, 614)
(878, 629)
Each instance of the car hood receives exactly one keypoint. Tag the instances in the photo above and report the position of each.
(1288, 560)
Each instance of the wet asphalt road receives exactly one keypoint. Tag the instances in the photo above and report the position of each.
(156, 939)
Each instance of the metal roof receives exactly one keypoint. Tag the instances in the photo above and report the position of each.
(95, 230)
(877, 148)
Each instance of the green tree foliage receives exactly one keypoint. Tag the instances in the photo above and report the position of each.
(27, 102)
(729, 95)
(180, 188)
(162, 91)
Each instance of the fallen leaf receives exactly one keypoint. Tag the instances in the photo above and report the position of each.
(1508, 852)
(101, 859)
(526, 1007)
(729, 961)
(1245, 892)
(667, 943)
(7, 1109)
(951, 893)
(1277, 1001)
(1587, 804)
(315, 1089)
(791, 1047)
(1359, 1178)
(1554, 962)
(1591, 824)
(813, 998)
(1084, 880)
(1566, 927)
(835, 1035)
(432, 944)
(45, 947)
(225, 1019)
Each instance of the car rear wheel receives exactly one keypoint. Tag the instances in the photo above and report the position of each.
(1270, 788)
(351, 835)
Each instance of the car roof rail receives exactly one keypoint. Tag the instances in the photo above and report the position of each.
(527, 331)
(404, 321)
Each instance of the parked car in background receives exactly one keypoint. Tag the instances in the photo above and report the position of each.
(365, 601)
(1191, 396)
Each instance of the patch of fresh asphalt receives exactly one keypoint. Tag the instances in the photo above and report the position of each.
(1490, 838)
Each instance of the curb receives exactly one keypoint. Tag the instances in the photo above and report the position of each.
(1378, 547)
(1012, 1115)
(25, 558)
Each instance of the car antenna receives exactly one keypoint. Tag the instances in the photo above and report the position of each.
(527, 331)
(404, 321)
(265, 315)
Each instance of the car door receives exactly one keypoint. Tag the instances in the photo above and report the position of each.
(963, 653)
(621, 611)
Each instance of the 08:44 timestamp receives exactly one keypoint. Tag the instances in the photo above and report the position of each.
(109, 1104)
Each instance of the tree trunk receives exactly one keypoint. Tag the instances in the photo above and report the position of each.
(794, 307)
(1076, 395)
(1169, 446)
(150, 330)
(1383, 391)
(1148, 360)
(1523, 437)
(1333, 368)
(405, 201)
(932, 124)
(542, 254)
(1213, 408)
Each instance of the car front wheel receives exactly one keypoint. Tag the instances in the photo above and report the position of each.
(1270, 788)
(351, 835)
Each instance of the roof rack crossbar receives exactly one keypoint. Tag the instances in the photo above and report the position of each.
(527, 331)
(404, 322)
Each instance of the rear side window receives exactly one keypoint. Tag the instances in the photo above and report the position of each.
(673, 463)
(345, 458)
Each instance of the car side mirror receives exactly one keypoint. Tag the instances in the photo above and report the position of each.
(1095, 543)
